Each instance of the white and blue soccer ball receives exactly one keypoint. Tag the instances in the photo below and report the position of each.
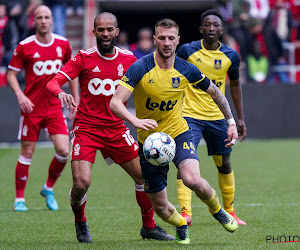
(159, 149)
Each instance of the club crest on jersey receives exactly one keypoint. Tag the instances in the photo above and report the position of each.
(59, 51)
(25, 130)
(175, 82)
(120, 70)
(76, 149)
(218, 64)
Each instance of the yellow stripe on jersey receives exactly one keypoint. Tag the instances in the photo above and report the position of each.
(158, 93)
(214, 64)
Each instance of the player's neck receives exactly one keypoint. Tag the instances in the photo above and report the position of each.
(211, 45)
(44, 38)
(164, 63)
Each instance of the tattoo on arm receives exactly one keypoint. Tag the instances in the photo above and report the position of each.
(220, 100)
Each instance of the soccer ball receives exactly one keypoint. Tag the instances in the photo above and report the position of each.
(159, 149)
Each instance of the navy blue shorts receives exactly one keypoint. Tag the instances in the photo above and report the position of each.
(214, 134)
(155, 177)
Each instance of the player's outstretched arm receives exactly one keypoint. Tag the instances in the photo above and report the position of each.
(54, 86)
(220, 99)
(237, 97)
(117, 106)
(25, 103)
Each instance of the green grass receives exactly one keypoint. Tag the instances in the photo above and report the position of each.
(267, 191)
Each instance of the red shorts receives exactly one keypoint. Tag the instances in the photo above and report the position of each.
(31, 125)
(115, 143)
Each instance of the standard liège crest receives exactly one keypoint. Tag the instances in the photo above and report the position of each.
(120, 70)
(25, 130)
(76, 149)
(175, 82)
(218, 64)
(59, 51)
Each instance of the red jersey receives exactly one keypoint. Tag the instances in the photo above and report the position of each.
(41, 63)
(99, 76)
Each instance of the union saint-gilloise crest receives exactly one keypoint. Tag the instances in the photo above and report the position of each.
(218, 64)
(175, 82)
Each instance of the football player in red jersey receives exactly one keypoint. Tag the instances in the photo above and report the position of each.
(95, 127)
(41, 55)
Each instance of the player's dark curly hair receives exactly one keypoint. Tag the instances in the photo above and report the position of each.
(167, 23)
(213, 12)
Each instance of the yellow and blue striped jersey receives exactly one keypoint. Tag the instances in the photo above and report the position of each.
(214, 64)
(158, 93)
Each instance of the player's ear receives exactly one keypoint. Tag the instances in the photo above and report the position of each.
(222, 30)
(94, 32)
(154, 39)
(117, 31)
(178, 40)
(200, 29)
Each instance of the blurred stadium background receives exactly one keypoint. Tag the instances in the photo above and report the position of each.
(271, 111)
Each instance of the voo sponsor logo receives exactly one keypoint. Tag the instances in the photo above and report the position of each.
(48, 67)
(106, 87)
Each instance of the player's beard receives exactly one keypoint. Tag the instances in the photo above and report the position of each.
(163, 55)
(106, 49)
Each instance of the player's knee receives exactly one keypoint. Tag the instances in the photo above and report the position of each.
(191, 182)
(81, 185)
(225, 169)
(223, 163)
(63, 152)
(28, 153)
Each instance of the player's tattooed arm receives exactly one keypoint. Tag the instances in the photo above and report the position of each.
(220, 99)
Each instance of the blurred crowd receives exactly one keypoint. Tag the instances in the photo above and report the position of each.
(259, 30)
(16, 23)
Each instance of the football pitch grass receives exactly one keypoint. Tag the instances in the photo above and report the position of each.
(267, 198)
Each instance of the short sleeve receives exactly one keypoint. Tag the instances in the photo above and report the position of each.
(17, 60)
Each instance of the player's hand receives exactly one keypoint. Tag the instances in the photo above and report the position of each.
(25, 103)
(66, 99)
(232, 135)
(73, 111)
(242, 130)
(145, 124)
